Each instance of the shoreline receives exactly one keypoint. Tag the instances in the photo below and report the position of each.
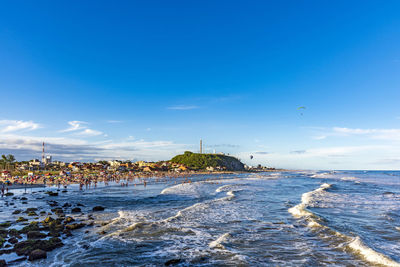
(43, 181)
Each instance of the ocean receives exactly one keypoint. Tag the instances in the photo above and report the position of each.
(308, 218)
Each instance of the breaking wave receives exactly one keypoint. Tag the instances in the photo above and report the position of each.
(218, 242)
(354, 244)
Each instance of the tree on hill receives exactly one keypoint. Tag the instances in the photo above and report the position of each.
(199, 161)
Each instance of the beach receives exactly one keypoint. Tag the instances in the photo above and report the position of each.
(241, 219)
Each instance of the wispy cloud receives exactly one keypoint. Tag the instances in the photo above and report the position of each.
(75, 125)
(7, 126)
(382, 134)
(79, 148)
(89, 132)
(183, 107)
(369, 133)
(80, 128)
(114, 121)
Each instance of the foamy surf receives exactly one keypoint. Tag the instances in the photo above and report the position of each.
(354, 244)
(218, 242)
(300, 210)
(371, 255)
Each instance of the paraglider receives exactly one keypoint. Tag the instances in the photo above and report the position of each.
(301, 108)
(251, 156)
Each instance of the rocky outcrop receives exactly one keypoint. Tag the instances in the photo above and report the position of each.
(37, 254)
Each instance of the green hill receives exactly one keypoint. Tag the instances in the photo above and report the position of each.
(199, 161)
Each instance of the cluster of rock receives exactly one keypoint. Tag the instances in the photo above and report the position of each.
(36, 238)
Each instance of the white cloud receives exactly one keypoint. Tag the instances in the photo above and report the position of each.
(75, 125)
(182, 107)
(7, 126)
(70, 149)
(80, 128)
(89, 132)
(382, 134)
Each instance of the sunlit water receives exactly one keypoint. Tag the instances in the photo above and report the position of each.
(343, 218)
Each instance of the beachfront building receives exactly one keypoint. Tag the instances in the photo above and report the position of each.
(47, 160)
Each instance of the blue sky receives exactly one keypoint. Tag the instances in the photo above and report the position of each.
(148, 79)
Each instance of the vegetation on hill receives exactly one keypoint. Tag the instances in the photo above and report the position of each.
(199, 161)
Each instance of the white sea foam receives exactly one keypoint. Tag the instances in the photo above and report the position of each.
(218, 242)
(222, 188)
(355, 244)
(300, 210)
(371, 255)
(183, 189)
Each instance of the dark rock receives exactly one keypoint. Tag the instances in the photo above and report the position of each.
(52, 194)
(57, 211)
(24, 202)
(67, 232)
(14, 232)
(17, 211)
(32, 213)
(5, 224)
(47, 220)
(33, 226)
(55, 226)
(26, 247)
(13, 240)
(30, 210)
(3, 263)
(74, 226)
(35, 235)
(54, 234)
(66, 205)
(76, 210)
(80, 205)
(37, 254)
(21, 219)
(69, 219)
(24, 198)
(172, 262)
(3, 233)
(98, 208)
(102, 233)
(9, 194)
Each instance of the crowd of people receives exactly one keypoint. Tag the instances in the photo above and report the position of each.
(89, 180)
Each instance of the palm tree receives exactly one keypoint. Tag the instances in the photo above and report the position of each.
(7, 161)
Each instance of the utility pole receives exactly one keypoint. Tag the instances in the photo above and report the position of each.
(201, 146)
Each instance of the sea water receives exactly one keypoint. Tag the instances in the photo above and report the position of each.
(324, 218)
